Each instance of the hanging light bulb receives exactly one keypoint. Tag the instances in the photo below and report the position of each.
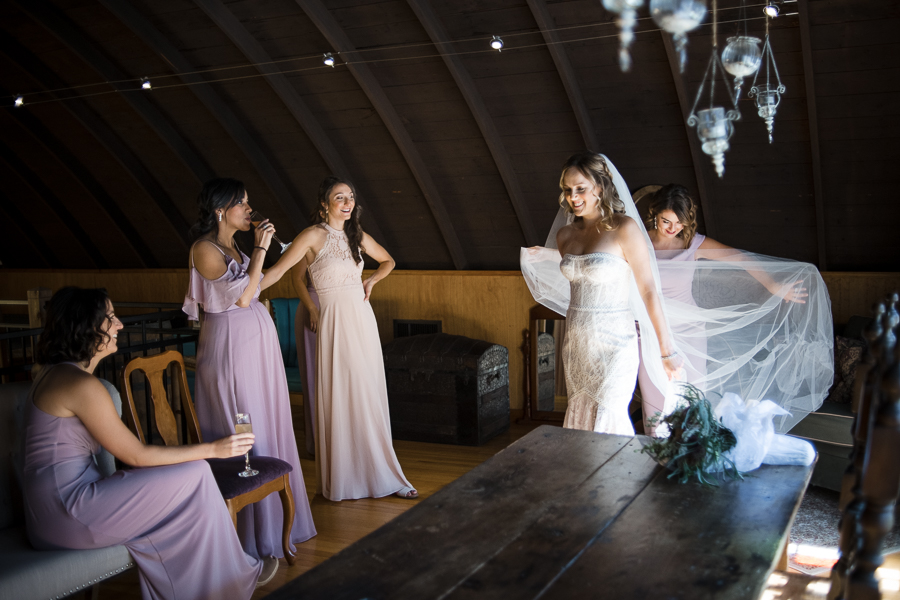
(328, 59)
(627, 11)
(771, 8)
(741, 58)
(497, 43)
(19, 101)
(768, 95)
(678, 17)
(714, 124)
(145, 84)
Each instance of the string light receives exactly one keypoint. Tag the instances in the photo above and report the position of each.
(19, 101)
(145, 84)
(497, 43)
(771, 9)
(328, 59)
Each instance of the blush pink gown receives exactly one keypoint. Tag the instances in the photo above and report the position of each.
(354, 454)
(172, 519)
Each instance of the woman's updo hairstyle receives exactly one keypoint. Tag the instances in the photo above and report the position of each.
(676, 198)
(594, 168)
(217, 194)
(73, 330)
(352, 227)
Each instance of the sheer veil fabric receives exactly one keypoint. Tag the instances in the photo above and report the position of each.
(550, 288)
(733, 333)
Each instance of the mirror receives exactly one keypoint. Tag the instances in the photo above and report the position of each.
(546, 398)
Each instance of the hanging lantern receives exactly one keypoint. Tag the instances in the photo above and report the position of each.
(768, 95)
(678, 17)
(627, 11)
(714, 124)
(741, 58)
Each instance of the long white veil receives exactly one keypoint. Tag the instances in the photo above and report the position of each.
(550, 288)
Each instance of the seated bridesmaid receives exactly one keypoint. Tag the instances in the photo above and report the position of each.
(167, 510)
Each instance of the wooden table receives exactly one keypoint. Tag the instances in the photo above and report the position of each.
(571, 514)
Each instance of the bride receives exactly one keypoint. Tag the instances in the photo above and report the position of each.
(605, 254)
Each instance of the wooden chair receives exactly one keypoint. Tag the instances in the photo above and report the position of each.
(238, 492)
(872, 481)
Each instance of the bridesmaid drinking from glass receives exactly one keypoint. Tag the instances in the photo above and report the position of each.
(239, 363)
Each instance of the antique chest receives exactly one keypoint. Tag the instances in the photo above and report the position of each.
(447, 388)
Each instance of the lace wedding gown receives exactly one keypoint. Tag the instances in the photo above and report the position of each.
(601, 348)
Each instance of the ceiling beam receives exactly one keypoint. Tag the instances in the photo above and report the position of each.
(256, 54)
(34, 238)
(76, 169)
(214, 103)
(339, 41)
(700, 160)
(566, 73)
(110, 140)
(812, 116)
(62, 213)
(442, 42)
(59, 24)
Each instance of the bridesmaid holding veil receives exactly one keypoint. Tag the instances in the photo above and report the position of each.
(354, 453)
(746, 323)
(604, 253)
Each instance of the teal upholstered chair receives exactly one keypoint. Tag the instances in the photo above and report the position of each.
(283, 311)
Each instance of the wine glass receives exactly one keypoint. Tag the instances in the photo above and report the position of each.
(256, 218)
(242, 425)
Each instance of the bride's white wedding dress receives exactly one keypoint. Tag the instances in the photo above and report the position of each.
(601, 345)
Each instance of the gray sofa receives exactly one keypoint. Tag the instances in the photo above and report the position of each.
(27, 573)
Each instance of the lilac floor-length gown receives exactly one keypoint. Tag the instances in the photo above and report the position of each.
(240, 369)
(354, 454)
(676, 286)
(306, 361)
(171, 519)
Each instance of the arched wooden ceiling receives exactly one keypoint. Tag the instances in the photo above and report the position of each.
(455, 149)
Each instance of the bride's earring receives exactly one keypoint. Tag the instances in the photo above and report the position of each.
(220, 217)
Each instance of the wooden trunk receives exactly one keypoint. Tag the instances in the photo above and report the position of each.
(447, 388)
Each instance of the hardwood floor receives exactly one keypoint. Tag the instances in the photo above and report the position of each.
(429, 467)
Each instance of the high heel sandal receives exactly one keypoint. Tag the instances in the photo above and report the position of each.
(407, 493)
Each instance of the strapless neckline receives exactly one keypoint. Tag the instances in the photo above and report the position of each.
(595, 254)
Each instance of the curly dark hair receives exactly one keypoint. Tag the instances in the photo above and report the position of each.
(352, 227)
(594, 168)
(217, 194)
(74, 326)
(676, 198)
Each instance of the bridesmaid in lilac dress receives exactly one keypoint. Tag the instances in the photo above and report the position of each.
(168, 512)
(672, 226)
(239, 363)
(305, 322)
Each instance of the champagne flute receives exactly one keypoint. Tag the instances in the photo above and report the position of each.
(256, 218)
(242, 425)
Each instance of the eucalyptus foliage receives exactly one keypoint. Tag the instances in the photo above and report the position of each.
(697, 442)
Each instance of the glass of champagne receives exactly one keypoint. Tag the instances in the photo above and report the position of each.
(256, 218)
(242, 425)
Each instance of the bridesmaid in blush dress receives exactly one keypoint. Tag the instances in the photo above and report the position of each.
(354, 454)
(167, 511)
(239, 363)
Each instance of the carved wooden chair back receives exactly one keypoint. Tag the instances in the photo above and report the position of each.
(154, 367)
(237, 492)
(872, 481)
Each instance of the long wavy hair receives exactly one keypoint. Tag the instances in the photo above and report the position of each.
(352, 227)
(676, 198)
(74, 326)
(217, 194)
(594, 168)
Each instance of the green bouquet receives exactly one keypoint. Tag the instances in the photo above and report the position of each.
(697, 442)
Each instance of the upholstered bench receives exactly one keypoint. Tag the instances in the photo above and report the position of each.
(27, 573)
